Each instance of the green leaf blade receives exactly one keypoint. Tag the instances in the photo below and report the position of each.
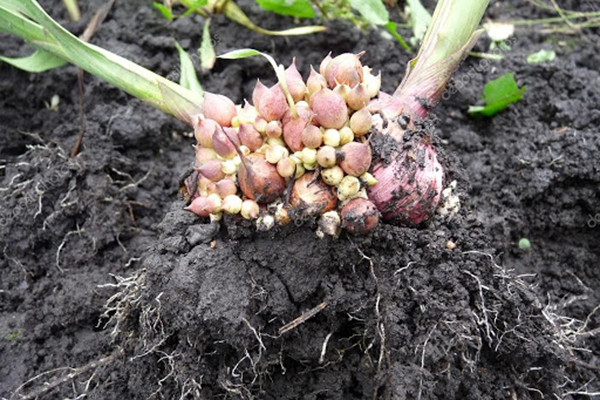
(292, 8)
(372, 10)
(165, 11)
(239, 54)
(498, 94)
(194, 6)
(39, 61)
(188, 78)
(420, 18)
(206, 50)
(392, 28)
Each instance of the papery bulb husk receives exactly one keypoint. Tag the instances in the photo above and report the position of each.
(203, 184)
(188, 189)
(329, 108)
(409, 188)
(272, 104)
(358, 97)
(356, 158)
(390, 106)
(295, 84)
(199, 207)
(222, 143)
(359, 216)
(373, 84)
(250, 137)
(293, 127)
(259, 180)
(315, 82)
(257, 93)
(204, 130)
(344, 69)
(330, 223)
(225, 187)
(282, 215)
(219, 108)
(361, 122)
(312, 136)
(324, 64)
(211, 169)
(311, 196)
(203, 154)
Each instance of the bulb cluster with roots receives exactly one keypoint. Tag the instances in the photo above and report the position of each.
(302, 151)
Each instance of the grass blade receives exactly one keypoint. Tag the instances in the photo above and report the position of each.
(206, 50)
(39, 61)
(126, 75)
(188, 78)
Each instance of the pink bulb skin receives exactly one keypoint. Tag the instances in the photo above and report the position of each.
(198, 207)
(409, 188)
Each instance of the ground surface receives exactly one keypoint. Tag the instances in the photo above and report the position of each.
(398, 314)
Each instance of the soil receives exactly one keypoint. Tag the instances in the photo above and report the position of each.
(110, 290)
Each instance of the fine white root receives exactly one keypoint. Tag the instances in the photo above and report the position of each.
(55, 382)
(420, 393)
(63, 243)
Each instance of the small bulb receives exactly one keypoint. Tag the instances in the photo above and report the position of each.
(282, 216)
(260, 124)
(310, 167)
(312, 136)
(300, 171)
(326, 157)
(232, 204)
(309, 156)
(250, 209)
(278, 141)
(373, 84)
(229, 167)
(332, 137)
(358, 97)
(214, 203)
(368, 179)
(329, 108)
(332, 176)
(274, 154)
(274, 129)
(357, 158)
(348, 187)
(346, 135)
(361, 122)
(286, 167)
(265, 223)
(330, 222)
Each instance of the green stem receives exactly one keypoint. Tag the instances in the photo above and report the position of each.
(73, 9)
(449, 38)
